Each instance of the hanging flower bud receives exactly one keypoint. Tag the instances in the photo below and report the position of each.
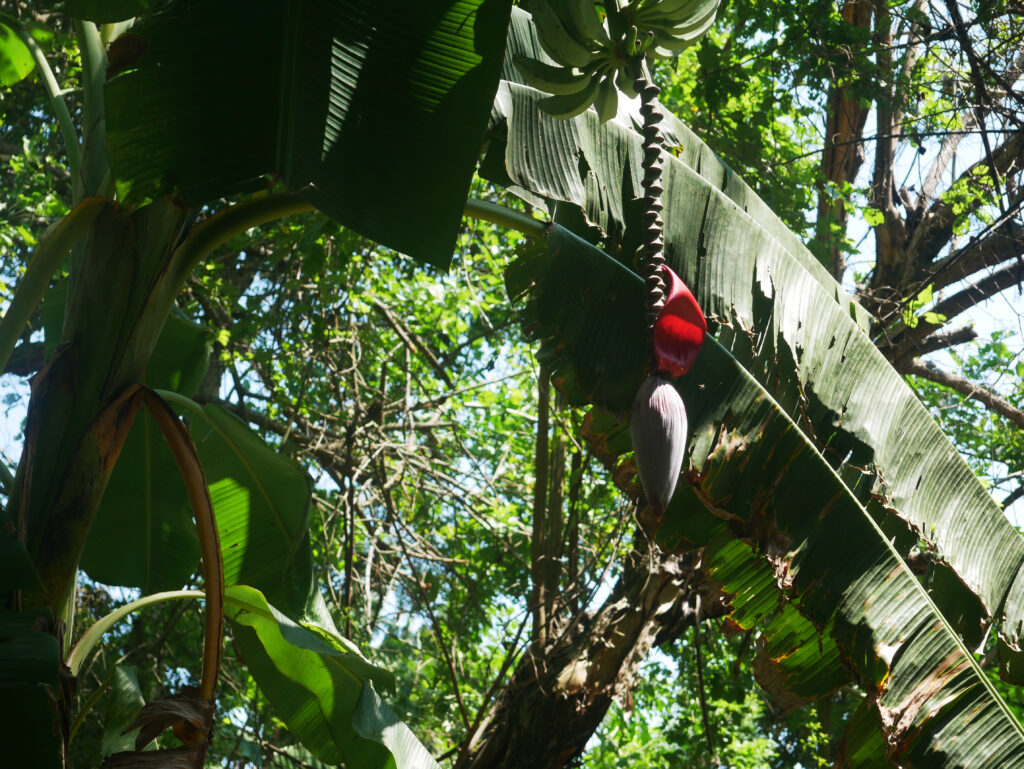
(658, 421)
(658, 426)
(680, 328)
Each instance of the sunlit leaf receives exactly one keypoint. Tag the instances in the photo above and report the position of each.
(16, 60)
(374, 111)
(313, 681)
(261, 500)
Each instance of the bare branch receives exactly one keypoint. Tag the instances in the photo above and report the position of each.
(936, 227)
(1013, 496)
(905, 344)
(412, 341)
(999, 246)
(991, 400)
(942, 340)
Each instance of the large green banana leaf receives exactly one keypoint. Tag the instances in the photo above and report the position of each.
(372, 109)
(793, 329)
(789, 525)
(29, 672)
(312, 679)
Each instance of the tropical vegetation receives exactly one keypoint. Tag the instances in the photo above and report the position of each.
(324, 321)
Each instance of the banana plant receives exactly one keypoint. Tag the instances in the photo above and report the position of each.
(160, 142)
(789, 382)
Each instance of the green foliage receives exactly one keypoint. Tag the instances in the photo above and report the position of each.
(992, 445)
(922, 300)
(842, 603)
(408, 396)
(373, 130)
(15, 58)
(312, 680)
(742, 90)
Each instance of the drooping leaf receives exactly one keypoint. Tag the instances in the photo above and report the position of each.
(374, 111)
(261, 500)
(751, 464)
(791, 325)
(312, 680)
(143, 535)
(375, 720)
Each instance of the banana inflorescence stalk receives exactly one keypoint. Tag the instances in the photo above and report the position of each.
(597, 50)
(652, 257)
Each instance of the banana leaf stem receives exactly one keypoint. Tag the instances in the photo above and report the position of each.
(95, 166)
(232, 221)
(92, 636)
(184, 451)
(60, 110)
(505, 217)
(238, 218)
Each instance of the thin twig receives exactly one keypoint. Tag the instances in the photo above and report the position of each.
(389, 505)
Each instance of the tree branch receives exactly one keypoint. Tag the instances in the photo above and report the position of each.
(942, 340)
(980, 91)
(412, 341)
(991, 400)
(1004, 243)
(936, 226)
(1013, 496)
(904, 345)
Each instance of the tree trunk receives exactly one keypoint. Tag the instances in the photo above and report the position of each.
(557, 697)
(842, 156)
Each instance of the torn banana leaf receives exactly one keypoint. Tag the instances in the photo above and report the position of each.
(791, 518)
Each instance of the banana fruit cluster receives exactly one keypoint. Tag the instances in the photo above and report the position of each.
(595, 44)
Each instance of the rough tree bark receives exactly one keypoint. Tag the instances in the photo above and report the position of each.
(843, 153)
(558, 695)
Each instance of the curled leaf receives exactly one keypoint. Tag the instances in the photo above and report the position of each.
(680, 328)
(186, 713)
(658, 427)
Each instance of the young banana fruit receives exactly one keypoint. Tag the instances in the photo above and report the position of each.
(590, 52)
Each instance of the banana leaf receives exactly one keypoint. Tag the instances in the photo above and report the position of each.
(373, 110)
(316, 684)
(792, 327)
